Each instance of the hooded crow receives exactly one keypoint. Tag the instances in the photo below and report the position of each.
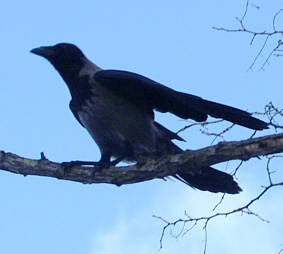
(117, 109)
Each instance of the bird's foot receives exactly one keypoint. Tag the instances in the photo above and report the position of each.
(141, 161)
(97, 166)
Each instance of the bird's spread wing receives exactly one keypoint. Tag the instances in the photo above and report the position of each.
(166, 132)
(149, 94)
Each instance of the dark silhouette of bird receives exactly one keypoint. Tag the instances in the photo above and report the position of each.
(117, 109)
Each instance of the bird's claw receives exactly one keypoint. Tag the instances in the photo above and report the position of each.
(97, 166)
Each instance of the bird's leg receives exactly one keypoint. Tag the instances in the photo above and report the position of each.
(128, 152)
(104, 162)
(117, 160)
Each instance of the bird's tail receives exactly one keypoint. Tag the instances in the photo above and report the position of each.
(217, 110)
(210, 179)
(206, 179)
(234, 115)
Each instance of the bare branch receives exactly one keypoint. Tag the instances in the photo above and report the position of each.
(272, 112)
(192, 222)
(219, 202)
(267, 34)
(279, 44)
(149, 169)
(202, 124)
(188, 223)
(245, 30)
(219, 134)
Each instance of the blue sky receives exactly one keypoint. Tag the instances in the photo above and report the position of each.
(171, 42)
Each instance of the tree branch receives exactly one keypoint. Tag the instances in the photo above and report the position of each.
(245, 209)
(148, 169)
(267, 34)
(189, 223)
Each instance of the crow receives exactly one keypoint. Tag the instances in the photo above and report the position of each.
(117, 109)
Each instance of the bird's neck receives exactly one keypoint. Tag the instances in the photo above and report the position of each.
(78, 77)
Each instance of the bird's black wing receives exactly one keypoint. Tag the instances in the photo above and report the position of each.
(169, 134)
(150, 95)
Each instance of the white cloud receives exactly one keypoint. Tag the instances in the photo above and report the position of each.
(140, 233)
(121, 238)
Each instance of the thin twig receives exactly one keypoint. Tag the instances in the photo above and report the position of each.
(245, 209)
(267, 34)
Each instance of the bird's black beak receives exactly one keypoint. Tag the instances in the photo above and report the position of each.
(46, 52)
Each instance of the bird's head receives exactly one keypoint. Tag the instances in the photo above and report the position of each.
(63, 56)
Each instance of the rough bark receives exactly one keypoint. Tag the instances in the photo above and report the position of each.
(149, 169)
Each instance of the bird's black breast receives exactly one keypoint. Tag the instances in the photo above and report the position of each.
(112, 120)
(80, 90)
